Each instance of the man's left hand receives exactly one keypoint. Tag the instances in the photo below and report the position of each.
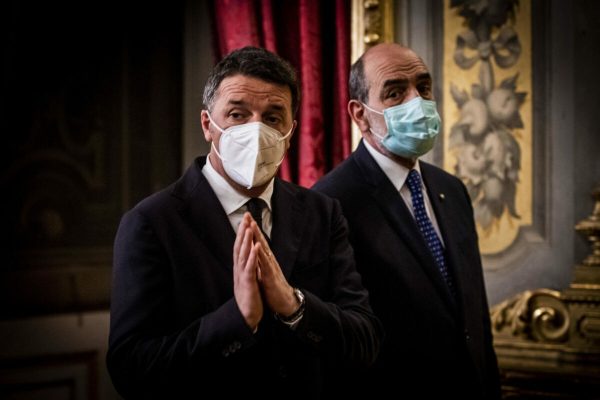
(278, 293)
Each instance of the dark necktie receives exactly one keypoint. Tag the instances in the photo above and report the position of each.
(426, 227)
(255, 206)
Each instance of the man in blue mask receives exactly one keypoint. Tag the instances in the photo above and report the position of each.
(412, 228)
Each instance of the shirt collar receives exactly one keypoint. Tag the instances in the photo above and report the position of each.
(395, 172)
(231, 199)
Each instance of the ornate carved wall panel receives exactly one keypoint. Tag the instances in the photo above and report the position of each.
(91, 120)
(488, 114)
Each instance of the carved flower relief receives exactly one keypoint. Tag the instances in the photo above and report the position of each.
(488, 155)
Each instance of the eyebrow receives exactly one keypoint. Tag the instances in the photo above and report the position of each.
(394, 82)
(398, 82)
(236, 102)
(242, 103)
(277, 107)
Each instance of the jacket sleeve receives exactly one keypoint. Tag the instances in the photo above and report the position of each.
(146, 348)
(343, 325)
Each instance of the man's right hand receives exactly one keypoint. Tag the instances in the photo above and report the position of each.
(245, 274)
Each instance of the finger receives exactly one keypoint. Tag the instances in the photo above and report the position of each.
(264, 260)
(250, 272)
(259, 274)
(268, 264)
(250, 218)
(239, 238)
(260, 238)
(245, 249)
(251, 265)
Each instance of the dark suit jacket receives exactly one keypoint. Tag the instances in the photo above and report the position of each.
(436, 346)
(176, 330)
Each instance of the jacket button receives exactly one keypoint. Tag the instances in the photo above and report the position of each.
(314, 337)
(283, 371)
(467, 335)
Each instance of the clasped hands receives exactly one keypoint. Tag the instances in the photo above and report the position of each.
(258, 281)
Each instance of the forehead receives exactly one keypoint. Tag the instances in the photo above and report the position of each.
(392, 63)
(253, 92)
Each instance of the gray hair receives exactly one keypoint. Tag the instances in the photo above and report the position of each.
(357, 84)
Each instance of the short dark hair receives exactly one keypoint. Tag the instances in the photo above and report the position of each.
(357, 84)
(253, 62)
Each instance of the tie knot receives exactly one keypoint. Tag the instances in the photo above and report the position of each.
(414, 182)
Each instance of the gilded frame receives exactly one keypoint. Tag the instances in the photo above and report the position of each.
(372, 23)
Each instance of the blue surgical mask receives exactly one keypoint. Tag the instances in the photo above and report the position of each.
(411, 127)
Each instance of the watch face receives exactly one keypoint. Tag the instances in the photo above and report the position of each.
(299, 295)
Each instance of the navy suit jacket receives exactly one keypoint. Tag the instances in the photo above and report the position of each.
(436, 346)
(176, 330)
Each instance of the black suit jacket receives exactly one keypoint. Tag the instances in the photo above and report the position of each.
(176, 330)
(436, 346)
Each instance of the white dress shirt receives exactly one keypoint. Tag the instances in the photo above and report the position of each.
(233, 202)
(397, 174)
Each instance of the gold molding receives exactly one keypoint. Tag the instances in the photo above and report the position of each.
(541, 334)
(372, 23)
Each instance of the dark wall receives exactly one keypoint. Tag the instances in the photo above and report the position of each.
(587, 124)
(91, 121)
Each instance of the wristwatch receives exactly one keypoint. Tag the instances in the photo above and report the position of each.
(297, 315)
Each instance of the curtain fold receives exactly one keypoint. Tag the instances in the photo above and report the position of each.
(315, 37)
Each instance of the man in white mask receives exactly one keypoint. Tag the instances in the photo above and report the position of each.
(413, 232)
(232, 281)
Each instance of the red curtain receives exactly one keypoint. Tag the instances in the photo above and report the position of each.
(315, 37)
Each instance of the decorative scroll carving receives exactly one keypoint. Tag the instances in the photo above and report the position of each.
(539, 315)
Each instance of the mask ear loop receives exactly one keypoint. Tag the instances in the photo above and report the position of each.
(370, 109)
(371, 129)
(212, 143)
(214, 123)
(282, 139)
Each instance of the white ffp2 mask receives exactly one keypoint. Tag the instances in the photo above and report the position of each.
(250, 153)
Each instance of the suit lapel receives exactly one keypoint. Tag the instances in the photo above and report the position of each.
(400, 218)
(288, 223)
(205, 215)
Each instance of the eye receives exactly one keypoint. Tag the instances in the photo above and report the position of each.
(425, 90)
(394, 94)
(273, 120)
(236, 116)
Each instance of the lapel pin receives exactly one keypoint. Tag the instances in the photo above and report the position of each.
(442, 196)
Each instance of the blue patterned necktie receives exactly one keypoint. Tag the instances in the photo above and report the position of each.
(426, 227)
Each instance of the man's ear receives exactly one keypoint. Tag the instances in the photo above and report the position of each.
(357, 113)
(205, 122)
(288, 141)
